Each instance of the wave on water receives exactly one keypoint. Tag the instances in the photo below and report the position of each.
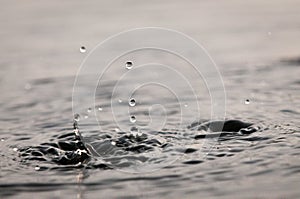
(70, 149)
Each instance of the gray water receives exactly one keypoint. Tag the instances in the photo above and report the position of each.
(255, 45)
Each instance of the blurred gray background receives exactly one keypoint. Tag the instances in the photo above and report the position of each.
(42, 38)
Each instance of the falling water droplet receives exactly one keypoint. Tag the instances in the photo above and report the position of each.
(132, 119)
(247, 101)
(120, 101)
(89, 110)
(37, 168)
(82, 49)
(86, 116)
(2, 140)
(129, 65)
(132, 102)
(15, 149)
(113, 143)
(76, 117)
(100, 108)
(185, 105)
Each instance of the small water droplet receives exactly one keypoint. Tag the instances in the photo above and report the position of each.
(247, 101)
(134, 131)
(117, 130)
(100, 108)
(120, 101)
(27, 86)
(132, 119)
(113, 143)
(76, 117)
(89, 110)
(15, 149)
(132, 102)
(2, 140)
(129, 65)
(37, 168)
(86, 116)
(82, 49)
(185, 105)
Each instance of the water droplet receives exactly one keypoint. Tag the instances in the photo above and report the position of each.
(37, 168)
(185, 105)
(86, 116)
(117, 130)
(15, 149)
(82, 49)
(27, 86)
(113, 143)
(89, 110)
(247, 101)
(2, 140)
(132, 119)
(120, 101)
(134, 131)
(132, 102)
(129, 65)
(76, 117)
(100, 108)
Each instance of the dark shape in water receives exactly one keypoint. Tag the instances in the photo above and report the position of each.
(222, 128)
(219, 126)
(70, 149)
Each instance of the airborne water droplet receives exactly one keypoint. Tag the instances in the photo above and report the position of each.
(89, 110)
(129, 65)
(132, 119)
(82, 49)
(113, 143)
(132, 102)
(27, 86)
(247, 101)
(99, 108)
(76, 117)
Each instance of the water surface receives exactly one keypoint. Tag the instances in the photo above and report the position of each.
(259, 63)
